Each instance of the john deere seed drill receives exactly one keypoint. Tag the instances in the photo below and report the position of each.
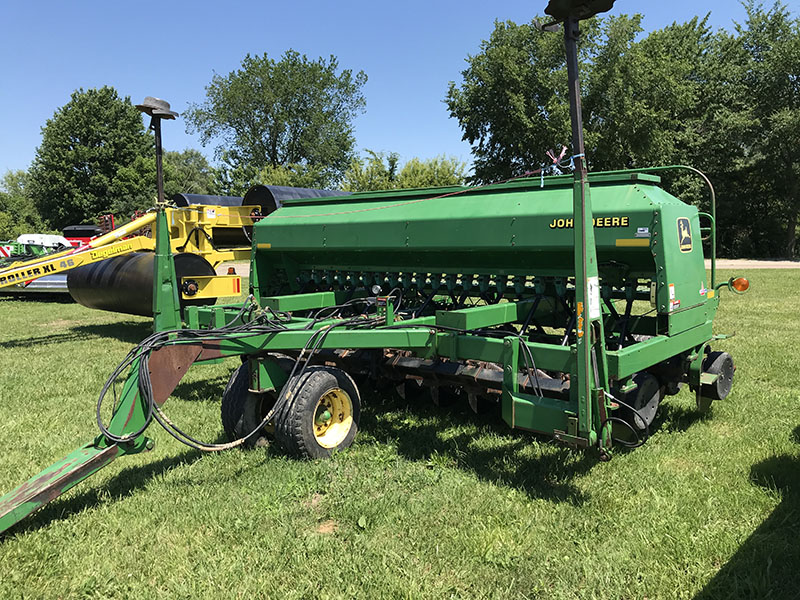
(575, 303)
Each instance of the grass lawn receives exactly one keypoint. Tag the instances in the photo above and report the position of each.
(429, 503)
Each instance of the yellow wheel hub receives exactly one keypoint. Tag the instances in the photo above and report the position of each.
(333, 418)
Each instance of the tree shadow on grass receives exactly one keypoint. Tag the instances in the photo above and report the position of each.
(507, 459)
(130, 332)
(767, 565)
(202, 390)
(42, 297)
(672, 418)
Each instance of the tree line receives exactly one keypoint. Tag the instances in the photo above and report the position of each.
(725, 102)
(97, 157)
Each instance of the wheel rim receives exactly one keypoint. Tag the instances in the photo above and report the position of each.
(725, 381)
(333, 418)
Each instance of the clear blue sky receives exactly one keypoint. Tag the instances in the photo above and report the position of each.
(409, 50)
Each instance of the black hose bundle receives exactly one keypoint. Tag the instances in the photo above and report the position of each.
(260, 325)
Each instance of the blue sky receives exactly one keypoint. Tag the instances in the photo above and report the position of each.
(409, 50)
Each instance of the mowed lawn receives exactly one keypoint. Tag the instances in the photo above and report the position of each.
(429, 502)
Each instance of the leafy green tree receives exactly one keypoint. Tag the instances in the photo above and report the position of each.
(235, 181)
(133, 188)
(640, 98)
(18, 214)
(438, 171)
(728, 103)
(186, 172)
(643, 100)
(747, 120)
(765, 54)
(293, 175)
(284, 113)
(511, 104)
(76, 174)
(380, 171)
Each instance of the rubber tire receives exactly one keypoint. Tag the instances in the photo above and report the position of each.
(718, 363)
(294, 423)
(241, 409)
(645, 398)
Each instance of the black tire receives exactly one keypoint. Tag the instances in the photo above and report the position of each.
(242, 410)
(301, 427)
(718, 363)
(645, 399)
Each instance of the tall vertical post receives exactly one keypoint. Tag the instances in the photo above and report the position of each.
(591, 359)
(155, 125)
(166, 306)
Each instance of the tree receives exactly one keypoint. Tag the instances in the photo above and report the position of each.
(768, 85)
(748, 121)
(726, 103)
(187, 172)
(381, 172)
(378, 171)
(18, 215)
(438, 171)
(236, 180)
(512, 104)
(94, 152)
(638, 96)
(643, 99)
(283, 113)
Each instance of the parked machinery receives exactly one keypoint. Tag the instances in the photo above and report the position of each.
(204, 231)
(114, 271)
(575, 302)
(468, 290)
(100, 266)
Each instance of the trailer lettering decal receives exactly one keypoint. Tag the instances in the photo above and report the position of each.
(619, 221)
(26, 274)
(107, 252)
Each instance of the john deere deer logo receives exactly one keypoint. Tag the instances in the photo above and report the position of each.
(684, 235)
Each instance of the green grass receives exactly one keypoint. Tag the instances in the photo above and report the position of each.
(429, 503)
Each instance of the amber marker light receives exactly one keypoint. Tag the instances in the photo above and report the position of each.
(739, 285)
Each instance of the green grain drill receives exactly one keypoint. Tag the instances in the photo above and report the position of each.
(575, 304)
